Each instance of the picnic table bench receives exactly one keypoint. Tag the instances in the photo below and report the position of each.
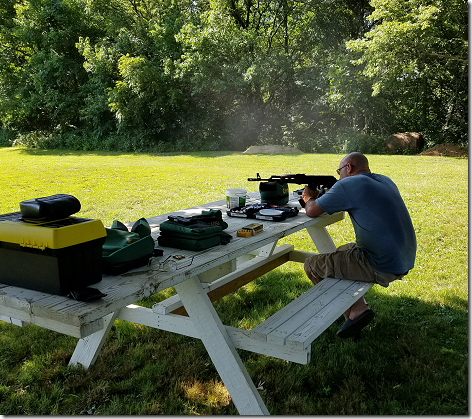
(201, 278)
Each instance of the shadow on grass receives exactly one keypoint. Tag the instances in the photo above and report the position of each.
(64, 152)
(412, 359)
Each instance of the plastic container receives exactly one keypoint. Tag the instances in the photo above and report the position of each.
(54, 256)
(235, 198)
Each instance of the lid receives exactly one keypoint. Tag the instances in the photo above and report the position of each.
(235, 191)
(52, 234)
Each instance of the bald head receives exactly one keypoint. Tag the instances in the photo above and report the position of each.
(354, 163)
(357, 160)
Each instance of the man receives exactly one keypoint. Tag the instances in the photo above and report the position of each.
(385, 247)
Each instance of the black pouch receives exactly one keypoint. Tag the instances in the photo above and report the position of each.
(52, 207)
(86, 294)
(213, 217)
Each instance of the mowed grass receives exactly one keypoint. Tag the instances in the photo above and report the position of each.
(412, 359)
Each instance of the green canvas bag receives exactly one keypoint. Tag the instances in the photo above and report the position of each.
(198, 232)
(274, 193)
(124, 249)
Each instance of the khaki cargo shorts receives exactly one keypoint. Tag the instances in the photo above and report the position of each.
(347, 262)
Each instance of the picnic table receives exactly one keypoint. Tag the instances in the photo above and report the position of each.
(200, 278)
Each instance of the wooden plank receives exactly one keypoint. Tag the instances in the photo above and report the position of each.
(248, 277)
(266, 250)
(88, 348)
(169, 322)
(168, 305)
(242, 339)
(321, 238)
(250, 265)
(20, 315)
(12, 320)
(67, 315)
(292, 309)
(305, 335)
(218, 271)
(300, 256)
(318, 298)
(79, 331)
(304, 319)
(240, 281)
(184, 326)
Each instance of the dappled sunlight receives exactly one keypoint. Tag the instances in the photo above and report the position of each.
(210, 393)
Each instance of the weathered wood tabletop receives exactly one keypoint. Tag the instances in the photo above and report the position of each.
(80, 319)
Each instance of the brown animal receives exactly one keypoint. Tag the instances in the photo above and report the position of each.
(412, 142)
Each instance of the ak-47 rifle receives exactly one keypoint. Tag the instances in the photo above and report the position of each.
(315, 182)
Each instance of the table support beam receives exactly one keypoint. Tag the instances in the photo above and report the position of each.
(321, 239)
(88, 348)
(220, 348)
(240, 281)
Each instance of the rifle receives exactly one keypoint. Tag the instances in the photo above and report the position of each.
(315, 182)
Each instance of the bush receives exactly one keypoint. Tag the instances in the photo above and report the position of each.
(350, 140)
(7, 137)
(339, 141)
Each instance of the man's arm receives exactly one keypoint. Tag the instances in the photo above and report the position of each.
(312, 209)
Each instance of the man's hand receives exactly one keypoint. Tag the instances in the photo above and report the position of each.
(312, 209)
(309, 193)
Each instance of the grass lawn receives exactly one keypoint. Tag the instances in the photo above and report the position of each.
(411, 360)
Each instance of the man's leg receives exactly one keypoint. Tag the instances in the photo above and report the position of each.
(344, 264)
(359, 307)
(352, 312)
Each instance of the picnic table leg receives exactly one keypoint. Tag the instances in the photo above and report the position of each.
(321, 239)
(220, 348)
(88, 348)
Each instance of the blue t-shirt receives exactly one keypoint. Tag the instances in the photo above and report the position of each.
(383, 227)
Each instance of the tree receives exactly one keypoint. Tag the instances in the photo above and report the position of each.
(263, 65)
(135, 74)
(40, 68)
(417, 54)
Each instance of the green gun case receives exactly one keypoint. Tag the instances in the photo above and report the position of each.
(198, 232)
(198, 236)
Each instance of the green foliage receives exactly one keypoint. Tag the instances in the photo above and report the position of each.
(229, 74)
(351, 140)
(7, 137)
(41, 68)
(420, 50)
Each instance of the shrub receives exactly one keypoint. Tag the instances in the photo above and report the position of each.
(7, 137)
(350, 140)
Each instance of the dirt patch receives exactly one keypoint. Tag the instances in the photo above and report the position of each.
(446, 150)
(271, 149)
